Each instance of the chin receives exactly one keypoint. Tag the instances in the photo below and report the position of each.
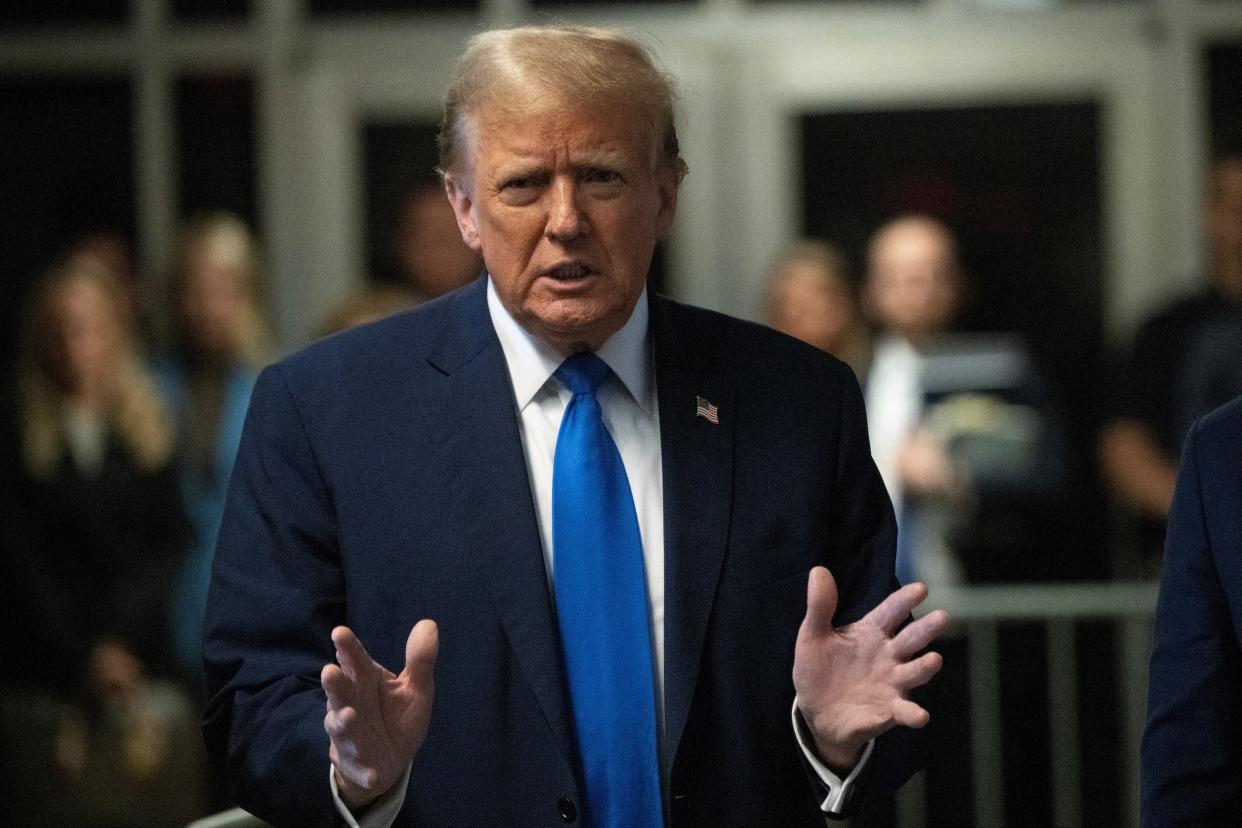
(574, 330)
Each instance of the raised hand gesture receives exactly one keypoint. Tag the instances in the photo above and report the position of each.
(852, 681)
(376, 720)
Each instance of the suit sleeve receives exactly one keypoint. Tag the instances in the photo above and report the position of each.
(1192, 744)
(862, 562)
(277, 591)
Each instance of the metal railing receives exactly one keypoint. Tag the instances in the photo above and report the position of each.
(978, 614)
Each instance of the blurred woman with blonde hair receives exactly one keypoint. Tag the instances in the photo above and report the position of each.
(811, 297)
(216, 343)
(95, 535)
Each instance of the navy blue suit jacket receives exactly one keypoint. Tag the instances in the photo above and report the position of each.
(1192, 746)
(381, 480)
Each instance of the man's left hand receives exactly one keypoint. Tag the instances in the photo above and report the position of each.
(851, 681)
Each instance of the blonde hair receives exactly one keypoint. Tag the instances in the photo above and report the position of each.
(226, 236)
(506, 71)
(133, 407)
(826, 258)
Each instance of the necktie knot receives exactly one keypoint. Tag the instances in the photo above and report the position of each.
(583, 373)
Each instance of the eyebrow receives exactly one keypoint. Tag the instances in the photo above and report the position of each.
(600, 157)
(529, 170)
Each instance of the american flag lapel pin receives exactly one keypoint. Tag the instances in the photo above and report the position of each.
(704, 409)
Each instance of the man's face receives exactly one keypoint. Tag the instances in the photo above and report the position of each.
(566, 207)
(912, 285)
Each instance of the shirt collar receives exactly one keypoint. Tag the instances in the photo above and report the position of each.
(532, 361)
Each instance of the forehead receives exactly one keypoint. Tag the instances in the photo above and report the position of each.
(911, 244)
(802, 273)
(542, 132)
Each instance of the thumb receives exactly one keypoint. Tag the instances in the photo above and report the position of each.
(421, 649)
(821, 602)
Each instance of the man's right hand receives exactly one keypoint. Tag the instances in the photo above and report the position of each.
(377, 721)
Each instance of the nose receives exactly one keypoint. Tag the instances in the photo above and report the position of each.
(566, 220)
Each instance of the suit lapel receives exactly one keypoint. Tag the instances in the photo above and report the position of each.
(480, 452)
(474, 421)
(697, 460)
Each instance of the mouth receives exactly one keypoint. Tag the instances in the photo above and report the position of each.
(568, 273)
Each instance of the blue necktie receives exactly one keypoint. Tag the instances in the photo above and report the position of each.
(601, 605)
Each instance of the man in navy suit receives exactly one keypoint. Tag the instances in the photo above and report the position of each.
(395, 487)
(1192, 746)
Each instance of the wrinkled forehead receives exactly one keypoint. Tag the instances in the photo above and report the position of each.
(533, 116)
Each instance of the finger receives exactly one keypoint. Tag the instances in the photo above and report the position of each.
(335, 686)
(352, 656)
(421, 649)
(917, 672)
(918, 634)
(897, 607)
(338, 722)
(821, 602)
(906, 712)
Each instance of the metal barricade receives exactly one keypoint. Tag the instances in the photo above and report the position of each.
(978, 613)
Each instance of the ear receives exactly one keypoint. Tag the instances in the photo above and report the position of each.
(462, 202)
(668, 181)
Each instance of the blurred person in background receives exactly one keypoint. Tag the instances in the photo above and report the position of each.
(962, 430)
(111, 246)
(368, 305)
(426, 252)
(1185, 361)
(811, 297)
(217, 343)
(95, 533)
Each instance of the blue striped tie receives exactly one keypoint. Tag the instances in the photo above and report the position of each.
(601, 605)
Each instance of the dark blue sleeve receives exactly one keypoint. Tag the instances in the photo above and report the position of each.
(1191, 764)
(863, 565)
(277, 591)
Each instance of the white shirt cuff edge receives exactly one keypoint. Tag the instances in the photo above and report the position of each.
(838, 788)
(382, 813)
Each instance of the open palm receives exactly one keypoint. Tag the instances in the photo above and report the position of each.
(852, 681)
(377, 720)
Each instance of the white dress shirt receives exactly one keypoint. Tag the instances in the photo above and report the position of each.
(631, 414)
(894, 405)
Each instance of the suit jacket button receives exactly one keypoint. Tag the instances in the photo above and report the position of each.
(566, 808)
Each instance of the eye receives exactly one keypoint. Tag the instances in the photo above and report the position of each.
(520, 190)
(602, 176)
(520, 183)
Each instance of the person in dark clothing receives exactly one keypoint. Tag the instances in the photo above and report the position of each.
(94, 534)
(1183, 363)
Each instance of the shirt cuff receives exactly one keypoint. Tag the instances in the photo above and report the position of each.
(838, 788)
(382, 813)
